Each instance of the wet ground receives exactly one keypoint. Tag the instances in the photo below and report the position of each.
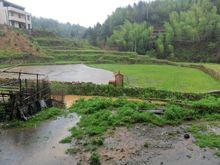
(67, 73)
(155, 145)
(151, 145)
(141, 144)
(37, 146)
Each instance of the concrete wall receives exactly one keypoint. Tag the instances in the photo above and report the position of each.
(3, 16)
(28, 21)
(1, 3)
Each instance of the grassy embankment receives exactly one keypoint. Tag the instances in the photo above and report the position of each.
(164, 77)
(99, 116)
(35, 120)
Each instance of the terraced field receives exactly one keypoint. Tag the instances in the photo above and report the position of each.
(215, 67)
(165, 77)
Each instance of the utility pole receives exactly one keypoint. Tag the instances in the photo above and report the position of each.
(147, 10)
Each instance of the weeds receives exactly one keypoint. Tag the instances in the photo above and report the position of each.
(72, 151)
(95, 159)
(205, 138)
(175, 114)
(66, 140)
(37, 119)
(99, 115)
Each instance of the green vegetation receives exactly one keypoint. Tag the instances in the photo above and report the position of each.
(72, 151)
(37, 119)
(89, 89)
(215, 67)
(209, 104)
(182, 30)
(205, 138)
(95, 159)
(164, 77)
(99, 115)
(133, 37)
(61, 29)
(184, 27)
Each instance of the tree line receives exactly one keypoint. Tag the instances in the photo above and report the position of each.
(61, 29)
(164, 26)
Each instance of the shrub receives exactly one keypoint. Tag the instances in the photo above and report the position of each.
(89, 89)
(177, 114)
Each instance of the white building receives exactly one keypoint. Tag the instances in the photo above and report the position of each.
(14, 15)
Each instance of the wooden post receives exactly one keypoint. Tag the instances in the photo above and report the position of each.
(37, 86)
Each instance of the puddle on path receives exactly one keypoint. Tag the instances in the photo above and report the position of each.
(38, 146)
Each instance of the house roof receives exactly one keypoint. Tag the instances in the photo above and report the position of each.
(118, 73)
(7, 3)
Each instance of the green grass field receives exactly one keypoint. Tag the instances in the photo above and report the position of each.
(164, 77)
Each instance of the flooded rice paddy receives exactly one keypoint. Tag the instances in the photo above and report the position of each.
(67, 73)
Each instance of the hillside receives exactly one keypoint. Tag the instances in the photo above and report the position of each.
(60, 29)
(180, 30)
(15, 45)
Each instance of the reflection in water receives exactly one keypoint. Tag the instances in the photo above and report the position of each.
(38, 145)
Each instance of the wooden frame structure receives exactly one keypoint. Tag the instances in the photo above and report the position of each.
(22, 98)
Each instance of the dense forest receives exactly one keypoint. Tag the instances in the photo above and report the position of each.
(61, 29)
(169, 29)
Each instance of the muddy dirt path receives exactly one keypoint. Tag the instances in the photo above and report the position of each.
(67, 73)
(37, 146)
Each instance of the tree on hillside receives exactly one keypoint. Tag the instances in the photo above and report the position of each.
(61, 29)
(154, 13)
(199, 24)
(132, 37)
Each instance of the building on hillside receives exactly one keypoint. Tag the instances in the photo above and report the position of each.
(14, 15)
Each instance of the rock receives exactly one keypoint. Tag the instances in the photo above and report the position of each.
(122, 150)
(161, 163)
(189, 156)
(186, 136)
(190, 148)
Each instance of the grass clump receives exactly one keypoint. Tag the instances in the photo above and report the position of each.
(175, 114)
(205, 138)
(72, 151)
(146, 145)
(217, 153)
(209, 103)
(66, 140)
(95, 159)
(37, 119)
(97, 141)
